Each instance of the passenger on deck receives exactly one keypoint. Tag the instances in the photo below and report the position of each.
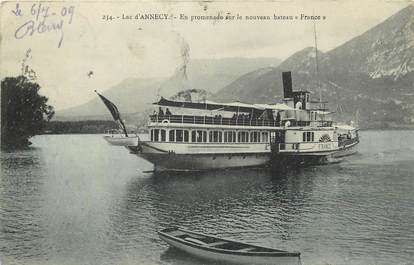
(167, 112)
(278, 117)
(160, 112)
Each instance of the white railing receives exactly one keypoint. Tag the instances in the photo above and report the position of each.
(236, 121)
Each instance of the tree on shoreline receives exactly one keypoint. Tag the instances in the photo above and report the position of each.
(23, 111)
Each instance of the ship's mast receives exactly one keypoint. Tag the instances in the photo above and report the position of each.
(316, 61)
(322, 105)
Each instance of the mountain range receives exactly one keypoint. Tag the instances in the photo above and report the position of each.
(371, 74)
(134, 95)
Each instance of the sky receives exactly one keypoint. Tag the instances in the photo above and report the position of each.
(75, 49)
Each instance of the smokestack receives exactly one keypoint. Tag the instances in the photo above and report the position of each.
(287, 84)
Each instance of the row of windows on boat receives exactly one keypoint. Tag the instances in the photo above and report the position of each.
(202, 136)
(310, 137)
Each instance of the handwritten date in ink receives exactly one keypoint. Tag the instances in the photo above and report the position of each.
(44, 20)
(17, 11)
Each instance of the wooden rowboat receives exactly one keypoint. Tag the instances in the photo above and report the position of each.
(223, 250)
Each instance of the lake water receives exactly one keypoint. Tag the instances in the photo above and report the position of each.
(73, 199)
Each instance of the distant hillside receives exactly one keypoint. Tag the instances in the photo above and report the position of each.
(131, 95)
(386, 50)
(83, 127)
(372, 73)
(135, 95)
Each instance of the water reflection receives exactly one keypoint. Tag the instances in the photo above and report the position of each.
(253, 205)
(230, 202)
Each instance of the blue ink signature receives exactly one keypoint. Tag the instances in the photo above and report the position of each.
(45, 21)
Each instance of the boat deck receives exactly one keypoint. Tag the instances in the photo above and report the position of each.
(208, 120)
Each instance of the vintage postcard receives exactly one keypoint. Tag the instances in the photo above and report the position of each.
(207, 132)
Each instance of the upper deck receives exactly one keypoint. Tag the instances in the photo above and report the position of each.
(296, 111)
(234, 121)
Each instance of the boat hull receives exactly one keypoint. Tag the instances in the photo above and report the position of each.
(197, 157)
(347, 150)
(171, 161)
(195, 162)
(293, 159)
(122, 141)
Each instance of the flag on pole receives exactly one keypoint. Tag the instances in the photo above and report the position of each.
(114, 111)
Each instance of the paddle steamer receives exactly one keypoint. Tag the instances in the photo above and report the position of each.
(191, 135)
